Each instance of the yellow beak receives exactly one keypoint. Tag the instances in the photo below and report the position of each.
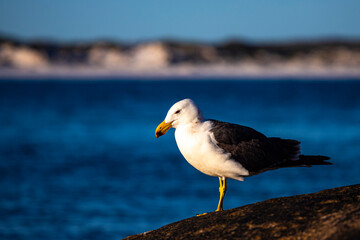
(162, 128)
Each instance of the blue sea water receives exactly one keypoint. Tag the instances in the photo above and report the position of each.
(79, 159)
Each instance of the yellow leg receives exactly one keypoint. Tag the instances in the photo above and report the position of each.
(222, 190)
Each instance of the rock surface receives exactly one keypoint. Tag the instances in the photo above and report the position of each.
(329, 214)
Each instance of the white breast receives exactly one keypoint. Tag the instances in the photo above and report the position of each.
(198, 146)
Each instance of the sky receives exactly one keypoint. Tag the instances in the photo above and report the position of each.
(195, 20)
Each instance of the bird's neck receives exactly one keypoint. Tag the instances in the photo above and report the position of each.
(198, 120)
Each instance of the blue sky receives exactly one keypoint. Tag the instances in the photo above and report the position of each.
(199, 20)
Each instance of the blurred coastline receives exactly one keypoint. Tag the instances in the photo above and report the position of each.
(175, 58)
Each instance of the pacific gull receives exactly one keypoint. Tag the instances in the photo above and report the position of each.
(227, 150)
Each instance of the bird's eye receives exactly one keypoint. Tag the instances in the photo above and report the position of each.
(178, 111)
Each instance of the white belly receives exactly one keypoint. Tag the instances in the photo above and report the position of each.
(198, 148)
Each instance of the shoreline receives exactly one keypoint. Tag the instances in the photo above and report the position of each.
(184, 73)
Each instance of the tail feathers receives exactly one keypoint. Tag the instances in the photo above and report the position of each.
(290, 150)
(287, 148)
(306, 161)
(314, 160)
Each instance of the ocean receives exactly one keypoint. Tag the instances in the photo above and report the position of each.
(79, 158)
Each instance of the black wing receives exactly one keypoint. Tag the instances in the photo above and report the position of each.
(253, 150)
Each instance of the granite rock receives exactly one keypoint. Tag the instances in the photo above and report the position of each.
(329, 214)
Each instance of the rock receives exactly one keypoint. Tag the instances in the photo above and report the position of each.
(329, 214)
(150, 55)
(21, 57)
(109, 58)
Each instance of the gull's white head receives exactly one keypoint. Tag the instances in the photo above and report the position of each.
(182, 112)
